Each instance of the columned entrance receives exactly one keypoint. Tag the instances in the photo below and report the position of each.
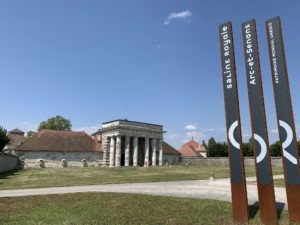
(129, 143)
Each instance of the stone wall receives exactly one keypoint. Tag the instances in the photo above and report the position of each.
(171, 159)
(223, 161)
(7, 162)
(54, 159)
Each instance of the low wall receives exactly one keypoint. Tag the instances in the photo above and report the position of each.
(54, 159)
(223, 161)
(171, 159)
(7, 162)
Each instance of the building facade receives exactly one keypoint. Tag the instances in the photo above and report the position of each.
(130, 143)
(16, 137)
(55, 148)
(193, 149)
(118, 143)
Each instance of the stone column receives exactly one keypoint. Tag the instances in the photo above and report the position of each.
(105, 148)
(112, 152)
(118, 151)
(160, 149)
(127, 150)
(146, 162)
(135, 151)
(153, 151)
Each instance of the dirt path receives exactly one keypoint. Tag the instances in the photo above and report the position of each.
(202, 189)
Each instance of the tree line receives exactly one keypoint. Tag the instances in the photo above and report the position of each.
(220, 149)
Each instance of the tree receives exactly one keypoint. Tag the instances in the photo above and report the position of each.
(30, 134)
(275, 149)
(222, 149)
(4, 138)
(248, 148)
(215, 149)
(211, 147)
(56, 123)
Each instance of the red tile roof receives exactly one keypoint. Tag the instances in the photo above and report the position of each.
(192, 149)
(60, 141)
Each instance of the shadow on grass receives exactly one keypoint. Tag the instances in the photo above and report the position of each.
(253, 209)
(10, 173)
(280, 208)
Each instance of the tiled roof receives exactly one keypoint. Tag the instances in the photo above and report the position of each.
(57, 141)
(16, 131)
(70, 141)
(192, 149)
(168, 149)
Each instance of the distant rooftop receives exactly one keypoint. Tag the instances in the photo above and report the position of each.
(16, 131)
(56, 140)
(192, 149)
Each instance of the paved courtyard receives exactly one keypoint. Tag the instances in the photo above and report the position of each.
(201, 189)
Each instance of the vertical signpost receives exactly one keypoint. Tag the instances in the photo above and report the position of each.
(237, 173)
(285, 118)
(260, 142)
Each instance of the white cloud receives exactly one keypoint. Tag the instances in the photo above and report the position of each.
(192, 131)
(246, 135)
(195, 134)
(275, 131)
(209, 130)
(191, 127)
(184, 15)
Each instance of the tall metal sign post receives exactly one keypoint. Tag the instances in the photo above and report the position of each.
(285, 118)
(260, 141)
(233, 124)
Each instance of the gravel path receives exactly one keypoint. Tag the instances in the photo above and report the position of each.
(202, 189)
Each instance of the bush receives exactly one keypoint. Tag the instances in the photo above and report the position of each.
(4, 138)
(215, 149)
(275, 149)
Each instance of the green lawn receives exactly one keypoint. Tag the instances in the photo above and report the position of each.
(119, 209)
(279, 183)
(51, 177)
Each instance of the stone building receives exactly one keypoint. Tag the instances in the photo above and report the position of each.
(193, 149)
(171, 156)
(130, 143)
(118, 143)
(16, 137)
(51, 148)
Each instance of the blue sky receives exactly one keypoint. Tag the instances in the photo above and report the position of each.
(152, 61)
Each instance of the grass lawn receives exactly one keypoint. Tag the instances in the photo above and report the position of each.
(111, 208)
(279, 183)
(51, 177)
